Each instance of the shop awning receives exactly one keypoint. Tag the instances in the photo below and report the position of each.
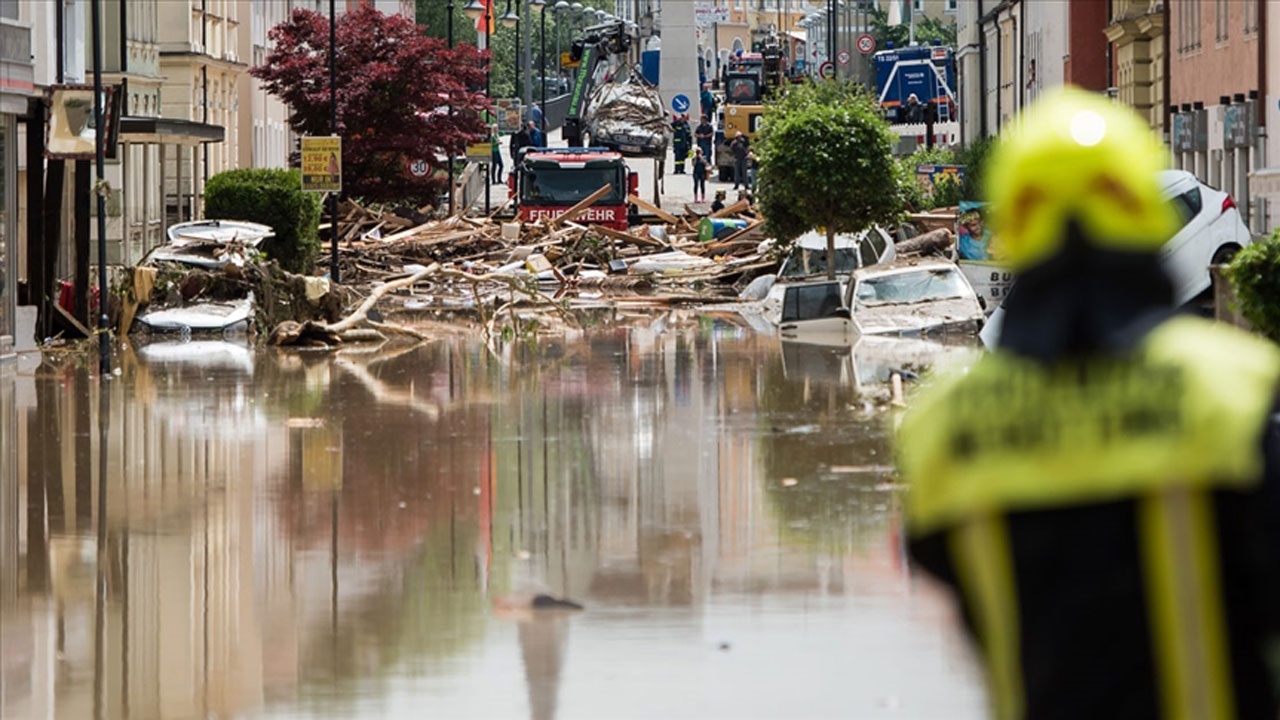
(169, 131)
(799, 36)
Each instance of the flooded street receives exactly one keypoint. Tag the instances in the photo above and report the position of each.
(359, 535)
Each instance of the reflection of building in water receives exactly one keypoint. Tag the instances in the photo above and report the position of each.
(179, 636)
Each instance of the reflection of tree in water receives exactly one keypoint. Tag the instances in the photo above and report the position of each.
(411, 453)
(810, 425)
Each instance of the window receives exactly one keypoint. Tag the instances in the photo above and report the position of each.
(1189, 25)
(953, 6)
(1220, 21)
(1188, 204)
(917, 5)
(1251, 16)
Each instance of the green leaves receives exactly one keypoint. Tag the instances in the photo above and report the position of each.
(1255, 277)
(275, 198)
(825, 160)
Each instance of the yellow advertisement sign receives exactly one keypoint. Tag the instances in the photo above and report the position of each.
(566, 60)
(480, 152)
(322, 164)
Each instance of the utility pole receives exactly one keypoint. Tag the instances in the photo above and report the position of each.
(333, 130)
(450, 151)
(100, 161)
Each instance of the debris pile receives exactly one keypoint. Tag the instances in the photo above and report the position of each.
(556, 253)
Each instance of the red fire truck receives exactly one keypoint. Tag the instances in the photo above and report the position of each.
(549, 181)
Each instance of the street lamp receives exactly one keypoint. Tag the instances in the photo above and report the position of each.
(449, 23)
(560, 8)
(540, 7)
(509, 19)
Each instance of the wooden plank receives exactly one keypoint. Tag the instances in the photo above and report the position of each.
(733, 209)
(410, 232)
(582, 205)
(627, 237)
(653, 209)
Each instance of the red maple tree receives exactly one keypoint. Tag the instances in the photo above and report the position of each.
(394, 85)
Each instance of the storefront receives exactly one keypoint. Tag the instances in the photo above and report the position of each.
(17, 86)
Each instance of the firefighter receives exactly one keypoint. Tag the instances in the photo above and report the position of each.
(681, 140)
(1099, 491)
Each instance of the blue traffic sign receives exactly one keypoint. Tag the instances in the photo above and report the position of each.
(680, 103)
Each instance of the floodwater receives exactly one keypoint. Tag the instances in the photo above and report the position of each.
(356, 534)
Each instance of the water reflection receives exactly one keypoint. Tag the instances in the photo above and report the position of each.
(305, 534)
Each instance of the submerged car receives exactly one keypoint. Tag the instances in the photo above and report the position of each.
(201, 306)
(807, 260)
(918, 297)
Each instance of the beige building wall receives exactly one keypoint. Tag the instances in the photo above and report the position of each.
(202, 68)
(265, 139)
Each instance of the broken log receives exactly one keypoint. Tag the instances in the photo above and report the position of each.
(932, 241)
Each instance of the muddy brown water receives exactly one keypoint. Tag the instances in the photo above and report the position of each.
(357, 535)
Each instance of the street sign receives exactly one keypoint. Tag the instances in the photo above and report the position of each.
(419, 168)
(480, 152)
(843, 57)
(680, 103)
(826, 70)
(322, 164)
(866, 44)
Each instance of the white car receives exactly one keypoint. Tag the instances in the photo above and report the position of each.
(1212, 233)
(910, 298)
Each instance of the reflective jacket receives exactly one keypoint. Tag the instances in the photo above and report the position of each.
(1109, 525)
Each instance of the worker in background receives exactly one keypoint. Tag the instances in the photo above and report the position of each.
(707, 102)
(1100, 491)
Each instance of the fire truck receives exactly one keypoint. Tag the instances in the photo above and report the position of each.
(547, 182)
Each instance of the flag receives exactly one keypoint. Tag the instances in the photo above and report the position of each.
(488, 11)
(895, 12)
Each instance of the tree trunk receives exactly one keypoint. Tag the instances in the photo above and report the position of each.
(831, 253)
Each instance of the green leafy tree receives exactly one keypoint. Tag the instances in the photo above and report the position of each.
(433, 14)
(929, 31)
(825, 161)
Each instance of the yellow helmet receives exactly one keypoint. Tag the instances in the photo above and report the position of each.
(1077, 155)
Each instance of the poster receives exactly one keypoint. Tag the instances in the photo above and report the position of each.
(322, 164)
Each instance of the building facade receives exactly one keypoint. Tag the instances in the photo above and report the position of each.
(1215, 67)
(17, 86)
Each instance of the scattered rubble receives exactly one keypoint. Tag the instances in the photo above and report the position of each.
(403, 263)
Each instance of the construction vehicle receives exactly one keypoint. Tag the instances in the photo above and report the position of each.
(547, 182)
(749, 78)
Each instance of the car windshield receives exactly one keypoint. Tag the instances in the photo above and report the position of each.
(742, 90)
(803, 262)
(911, 287)
(559, 186)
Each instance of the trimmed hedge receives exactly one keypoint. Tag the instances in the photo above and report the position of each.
(1255, 276)
(271, 197)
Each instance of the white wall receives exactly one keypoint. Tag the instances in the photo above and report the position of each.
(678, 65)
